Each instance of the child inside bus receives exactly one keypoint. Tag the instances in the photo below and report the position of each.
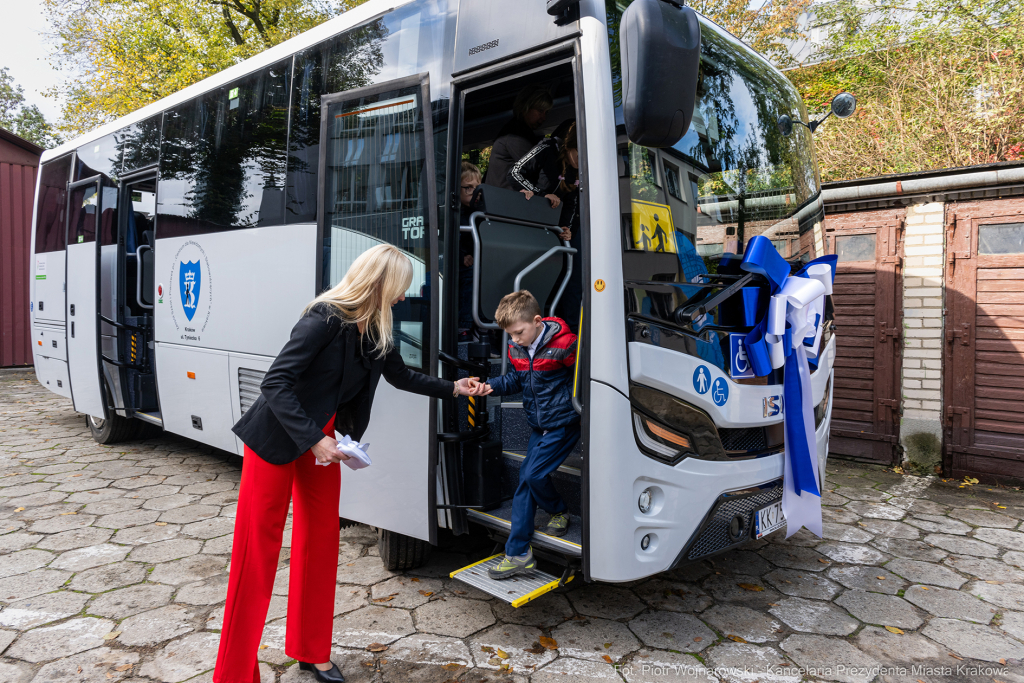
(542, 352)
(468, 182)
(529, 110)
(538, 170)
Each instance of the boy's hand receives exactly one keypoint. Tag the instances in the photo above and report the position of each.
(471, 386)
(467, 260)
(555, 201)
(566, 234)
(529, 195)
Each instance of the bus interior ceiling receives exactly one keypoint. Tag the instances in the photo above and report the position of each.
(486, 110)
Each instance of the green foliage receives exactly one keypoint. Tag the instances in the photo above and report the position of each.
(938, 85)
(124, 54)
(23, 120)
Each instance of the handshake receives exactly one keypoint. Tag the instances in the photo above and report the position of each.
(472, 386)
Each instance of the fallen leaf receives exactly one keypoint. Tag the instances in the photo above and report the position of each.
(486, 648)
(110, 675)
(503, 666)
(893, 629)
(415, 580)
(383, 661)
(1003, 662)
(426, 594)
(606, 658)
(123, 667)
(384, 599)
(750, 587)
(607, 645)
(880, 578)
(111, 635)
(501, 653)
(822, 560)
(159, 523)
(735, 639)
(494, 661)
(367, 663)
(376, 647)
(697, 639)
(535, 650)
(924, 588)
(773, 604)
(18, 509)
(264, 647)
(549, 643)
(998, 583)
(955, 656)
(452, 666)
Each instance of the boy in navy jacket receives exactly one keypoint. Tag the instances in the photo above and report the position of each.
(542, 352)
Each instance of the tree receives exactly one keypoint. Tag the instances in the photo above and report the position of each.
(124, 54)
(938, 84)
(768, 28)
(24, 120)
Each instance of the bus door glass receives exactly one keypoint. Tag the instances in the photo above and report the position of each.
(85, 219)
(377, 176)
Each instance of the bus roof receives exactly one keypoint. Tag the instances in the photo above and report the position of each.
(358, 15)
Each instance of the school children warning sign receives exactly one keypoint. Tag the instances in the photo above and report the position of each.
(652, 227)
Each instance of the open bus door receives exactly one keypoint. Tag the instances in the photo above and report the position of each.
(86, 218)
(378, 187)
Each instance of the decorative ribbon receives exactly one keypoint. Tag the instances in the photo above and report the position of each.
(788, 337)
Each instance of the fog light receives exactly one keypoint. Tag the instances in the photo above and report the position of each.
(737, 526)
(645, 542)
(645, 501)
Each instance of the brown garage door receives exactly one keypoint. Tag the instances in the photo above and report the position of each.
(984, 357)
(869, 320)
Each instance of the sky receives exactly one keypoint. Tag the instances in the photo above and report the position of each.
(25, 51)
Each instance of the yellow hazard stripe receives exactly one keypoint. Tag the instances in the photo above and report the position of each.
(470, 566)
(579, 349)
(536, 593)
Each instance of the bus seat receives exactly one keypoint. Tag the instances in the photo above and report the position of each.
(506, 248)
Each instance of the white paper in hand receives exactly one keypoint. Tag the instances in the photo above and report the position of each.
(358, 459)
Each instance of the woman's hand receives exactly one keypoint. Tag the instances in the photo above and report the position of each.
(467, 260)
(529, 195)
(566, 234)
(555, 201)
(471, 386)
(326, 451)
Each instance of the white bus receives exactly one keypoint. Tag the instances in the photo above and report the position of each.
(174, 249)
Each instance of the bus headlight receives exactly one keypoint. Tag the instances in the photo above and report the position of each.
(668, 429)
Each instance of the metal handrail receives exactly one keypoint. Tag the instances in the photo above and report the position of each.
(138, 277)
(471, 229)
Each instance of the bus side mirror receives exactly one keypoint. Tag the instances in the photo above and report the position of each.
(659, 44)
(844, 104)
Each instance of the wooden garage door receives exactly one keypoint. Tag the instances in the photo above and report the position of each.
(869, 323)
(984, 335)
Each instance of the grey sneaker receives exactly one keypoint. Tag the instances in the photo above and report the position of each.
(557, 525)
(512, 565)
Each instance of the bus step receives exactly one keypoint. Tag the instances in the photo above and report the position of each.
(517, 591)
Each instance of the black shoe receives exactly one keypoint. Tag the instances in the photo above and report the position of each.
(332, 675)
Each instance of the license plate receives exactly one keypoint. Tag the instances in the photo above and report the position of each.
(768, 519)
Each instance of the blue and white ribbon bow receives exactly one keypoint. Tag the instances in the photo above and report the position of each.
(789, 337)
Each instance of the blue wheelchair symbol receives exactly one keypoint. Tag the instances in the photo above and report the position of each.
(701, 379)
(720, 392)
(741, 366)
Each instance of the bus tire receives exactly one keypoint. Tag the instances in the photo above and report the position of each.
(112, 430)
(399, 552)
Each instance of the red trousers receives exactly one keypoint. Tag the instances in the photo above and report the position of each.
(259, 525)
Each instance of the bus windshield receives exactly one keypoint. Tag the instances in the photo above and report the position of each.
(732, 176)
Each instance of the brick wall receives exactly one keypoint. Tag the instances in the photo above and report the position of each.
(921, 427)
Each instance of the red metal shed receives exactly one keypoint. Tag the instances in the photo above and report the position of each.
(19, 162)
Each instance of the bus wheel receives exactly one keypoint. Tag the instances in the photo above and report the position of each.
(399, 552)
(112, 430)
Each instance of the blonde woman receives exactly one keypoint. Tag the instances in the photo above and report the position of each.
(324, 378)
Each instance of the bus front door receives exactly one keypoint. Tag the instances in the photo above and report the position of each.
(377, 187)
(84, 224)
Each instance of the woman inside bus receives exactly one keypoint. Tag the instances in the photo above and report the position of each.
(323, 379)
(529, 110)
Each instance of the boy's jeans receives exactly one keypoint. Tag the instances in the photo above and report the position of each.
(544, 454)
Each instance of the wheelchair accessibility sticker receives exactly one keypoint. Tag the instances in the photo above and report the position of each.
(702, 384)
(720, 392)
(741, 367)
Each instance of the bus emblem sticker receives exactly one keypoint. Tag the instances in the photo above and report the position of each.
(190, 281)
(702, 379)
(720, 391)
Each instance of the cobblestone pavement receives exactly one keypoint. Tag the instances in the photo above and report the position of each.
(113, 567)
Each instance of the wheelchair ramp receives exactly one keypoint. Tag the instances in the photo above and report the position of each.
(517, 591)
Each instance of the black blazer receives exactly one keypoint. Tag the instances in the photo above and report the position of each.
(300, 392)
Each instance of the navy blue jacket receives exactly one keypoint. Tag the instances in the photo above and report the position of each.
(545, 379)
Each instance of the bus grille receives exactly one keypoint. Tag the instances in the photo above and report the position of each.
(748, 439)
(714, 537)
(248, 387)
